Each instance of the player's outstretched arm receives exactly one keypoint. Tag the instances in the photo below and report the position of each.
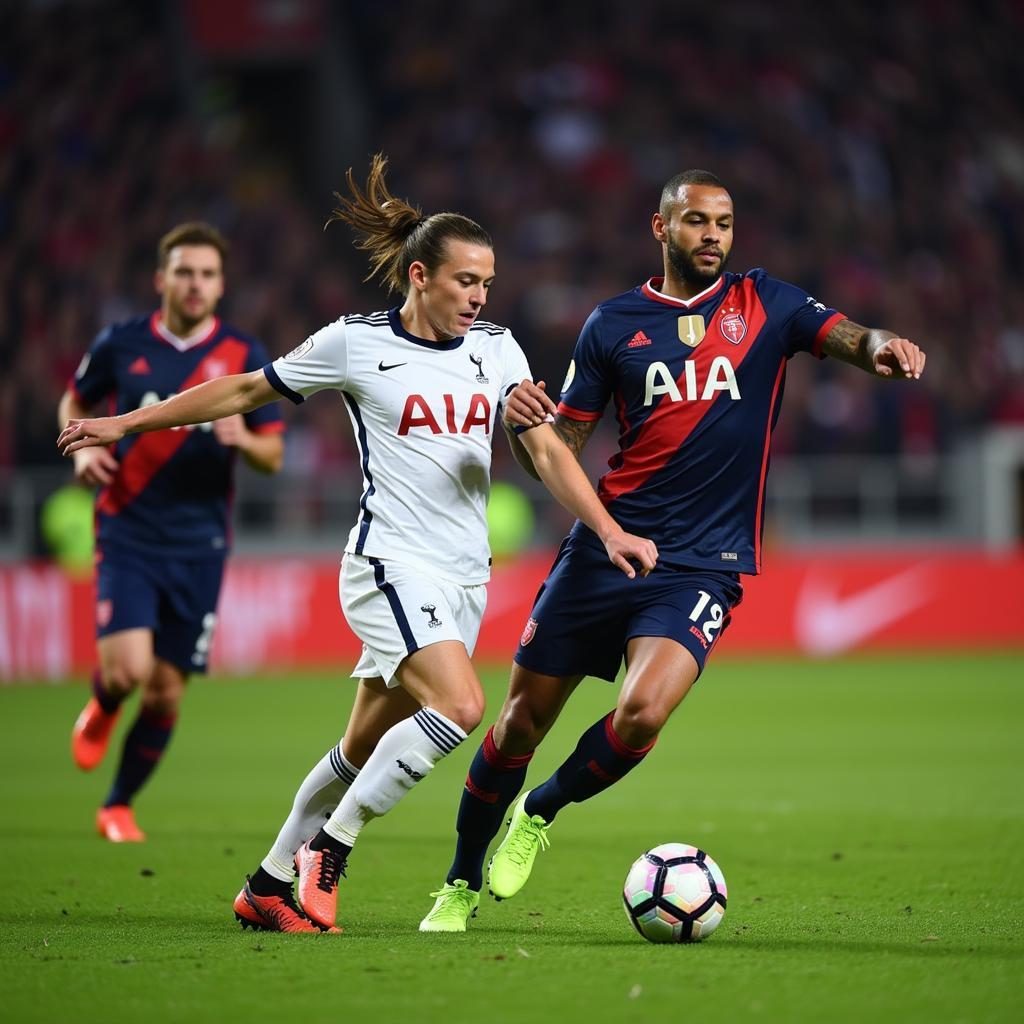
(874, 350)
(241, 392)
(564, 478)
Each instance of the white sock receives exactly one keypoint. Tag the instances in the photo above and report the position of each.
(318, 795)
(404, 756)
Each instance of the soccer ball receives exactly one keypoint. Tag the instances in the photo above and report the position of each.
(675, 893)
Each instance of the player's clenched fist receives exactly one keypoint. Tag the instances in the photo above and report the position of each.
(231, 431)
(95, 467)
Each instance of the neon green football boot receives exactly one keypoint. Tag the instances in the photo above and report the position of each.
(455, 904)
(512, 862)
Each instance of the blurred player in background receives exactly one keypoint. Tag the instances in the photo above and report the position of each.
(161, 509)
(695, 363)
(422, 383)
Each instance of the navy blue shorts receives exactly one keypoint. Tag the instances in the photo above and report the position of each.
(175, 598)
(587, 610)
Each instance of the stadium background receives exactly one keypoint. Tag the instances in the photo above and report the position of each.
(852, 760)
(888, 183)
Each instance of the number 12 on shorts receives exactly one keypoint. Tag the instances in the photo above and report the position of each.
(711, 615)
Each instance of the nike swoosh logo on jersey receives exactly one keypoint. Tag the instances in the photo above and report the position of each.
(384, 367)
(825, 623)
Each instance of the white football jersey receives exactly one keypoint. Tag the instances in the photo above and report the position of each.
(424, 414)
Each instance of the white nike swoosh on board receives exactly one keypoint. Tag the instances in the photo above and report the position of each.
(825, 623)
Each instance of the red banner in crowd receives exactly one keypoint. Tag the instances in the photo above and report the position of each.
(283, 613)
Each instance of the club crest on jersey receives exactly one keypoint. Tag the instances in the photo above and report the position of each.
(434, 620)
(478, 362)
(300, 350)
(528, 632)
(691, 329)
(733, 327)
(214, 368)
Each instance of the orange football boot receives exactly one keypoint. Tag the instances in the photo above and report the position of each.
(272, 913)
(319, 873)
(91, 735)
(117, 824)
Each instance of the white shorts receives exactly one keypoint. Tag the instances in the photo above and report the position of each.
(395, 610)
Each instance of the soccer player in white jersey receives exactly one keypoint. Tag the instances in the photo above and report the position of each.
(422, 384)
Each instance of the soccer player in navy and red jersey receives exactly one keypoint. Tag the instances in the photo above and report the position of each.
(162, 531)
(693, 364)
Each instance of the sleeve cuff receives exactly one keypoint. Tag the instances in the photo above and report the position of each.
(577, 414)
(274, 427)
(819, 338)
(279, 385)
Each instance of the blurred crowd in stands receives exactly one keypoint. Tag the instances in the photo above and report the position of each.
(875, 155)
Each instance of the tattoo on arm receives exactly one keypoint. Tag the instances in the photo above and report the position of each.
(855, 344)
(575, 433)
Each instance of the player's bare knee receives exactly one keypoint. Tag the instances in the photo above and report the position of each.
(162, 697)
(638, 724)
(518, 729)
(468, 712)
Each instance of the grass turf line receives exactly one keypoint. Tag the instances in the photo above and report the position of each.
(866, 813)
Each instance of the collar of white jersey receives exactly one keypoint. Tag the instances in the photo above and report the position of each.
(650, 289)
(396, 326)
(157, 326)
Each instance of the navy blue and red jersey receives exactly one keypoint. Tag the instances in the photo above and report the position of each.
(173, 487)
(696, 387)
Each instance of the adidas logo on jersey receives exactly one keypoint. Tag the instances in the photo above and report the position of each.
(140, 366)
(639, 339)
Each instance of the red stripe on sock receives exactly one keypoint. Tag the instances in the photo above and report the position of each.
(496, 759)
(621, 748)
(154, 718)
(481, 794)
(596, 769)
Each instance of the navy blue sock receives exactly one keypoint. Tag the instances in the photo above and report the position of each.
(110, 702)
(493, 781)
(599, 760)
(143, 747)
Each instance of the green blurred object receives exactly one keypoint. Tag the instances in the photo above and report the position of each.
(66, 520)
(510, 520)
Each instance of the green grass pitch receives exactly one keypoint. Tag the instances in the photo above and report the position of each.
(867, 814)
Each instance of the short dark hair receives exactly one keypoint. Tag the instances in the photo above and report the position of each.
(694, 176)
(193, 232)
(395, 233)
